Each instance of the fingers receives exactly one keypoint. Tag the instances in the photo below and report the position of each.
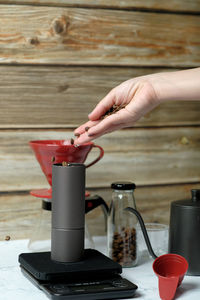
(109, 124)
(106, 124)
(84, 138)
(95, 118)
(138, 97)
(82, 134)
(81, 129)
(104, 105)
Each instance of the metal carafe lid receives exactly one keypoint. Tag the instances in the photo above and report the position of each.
(193, 203)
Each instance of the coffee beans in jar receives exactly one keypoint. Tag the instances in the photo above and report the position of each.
(124, 246)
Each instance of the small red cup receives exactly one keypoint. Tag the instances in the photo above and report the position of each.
(170, 269)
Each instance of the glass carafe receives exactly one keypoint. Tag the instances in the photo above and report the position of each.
(41, 236)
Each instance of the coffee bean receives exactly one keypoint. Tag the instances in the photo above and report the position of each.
(115, 108)
(53, 159)
(77, 134)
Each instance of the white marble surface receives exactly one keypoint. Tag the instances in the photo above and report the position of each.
(13, 285)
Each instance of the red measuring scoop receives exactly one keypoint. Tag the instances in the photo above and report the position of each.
(170, 269)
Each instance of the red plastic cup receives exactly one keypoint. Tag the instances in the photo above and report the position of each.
(170, 269)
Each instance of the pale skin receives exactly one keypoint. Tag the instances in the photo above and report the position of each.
(140, 95)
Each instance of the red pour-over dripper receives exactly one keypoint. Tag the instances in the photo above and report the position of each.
(50, 152)
(170, 269)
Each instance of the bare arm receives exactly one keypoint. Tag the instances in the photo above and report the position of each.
(180, 85)
(138, 96)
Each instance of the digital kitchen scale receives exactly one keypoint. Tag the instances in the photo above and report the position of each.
(94, 277)
(69, 271)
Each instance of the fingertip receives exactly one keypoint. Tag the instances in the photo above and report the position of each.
(83, 138)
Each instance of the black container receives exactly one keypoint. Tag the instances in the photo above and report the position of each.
(184, 231)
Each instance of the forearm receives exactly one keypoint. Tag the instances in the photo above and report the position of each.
(180, 85)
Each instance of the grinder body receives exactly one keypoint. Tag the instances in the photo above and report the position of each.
(68, 212)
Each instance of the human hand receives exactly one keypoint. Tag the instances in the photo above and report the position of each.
(135, 97)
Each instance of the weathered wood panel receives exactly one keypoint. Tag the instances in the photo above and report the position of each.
(101, 37)
(51, 97)
(19, 213)
(153, 156)
(171, 5)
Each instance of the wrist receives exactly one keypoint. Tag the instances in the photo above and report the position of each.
(164, 87)
(179, 85)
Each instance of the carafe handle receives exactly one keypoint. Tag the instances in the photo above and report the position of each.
(95, 201)
(144, 231)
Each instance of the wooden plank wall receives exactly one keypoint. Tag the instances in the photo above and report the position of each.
(57, 60)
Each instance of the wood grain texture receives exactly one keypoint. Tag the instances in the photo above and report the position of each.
(50, 35)
(50, 97)
(148, 157)
(20, 212)
(171, 5)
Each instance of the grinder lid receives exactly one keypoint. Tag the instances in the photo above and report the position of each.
(194, 202)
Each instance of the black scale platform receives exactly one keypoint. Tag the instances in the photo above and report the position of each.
(42, 267)
(95, 277)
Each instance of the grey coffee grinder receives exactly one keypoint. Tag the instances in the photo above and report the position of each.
(68, 217)
(69, 271)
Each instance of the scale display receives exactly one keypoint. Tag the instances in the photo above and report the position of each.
(111, 288)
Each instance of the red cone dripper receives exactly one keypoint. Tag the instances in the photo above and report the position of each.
(49, 152)
(170, 269)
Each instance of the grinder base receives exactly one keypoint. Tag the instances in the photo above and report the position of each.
(41, 266)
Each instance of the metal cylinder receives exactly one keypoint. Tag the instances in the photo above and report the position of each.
(184, 231)
(68, 212)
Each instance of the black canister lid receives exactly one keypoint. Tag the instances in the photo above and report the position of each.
(194, 202)
(123, 185)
